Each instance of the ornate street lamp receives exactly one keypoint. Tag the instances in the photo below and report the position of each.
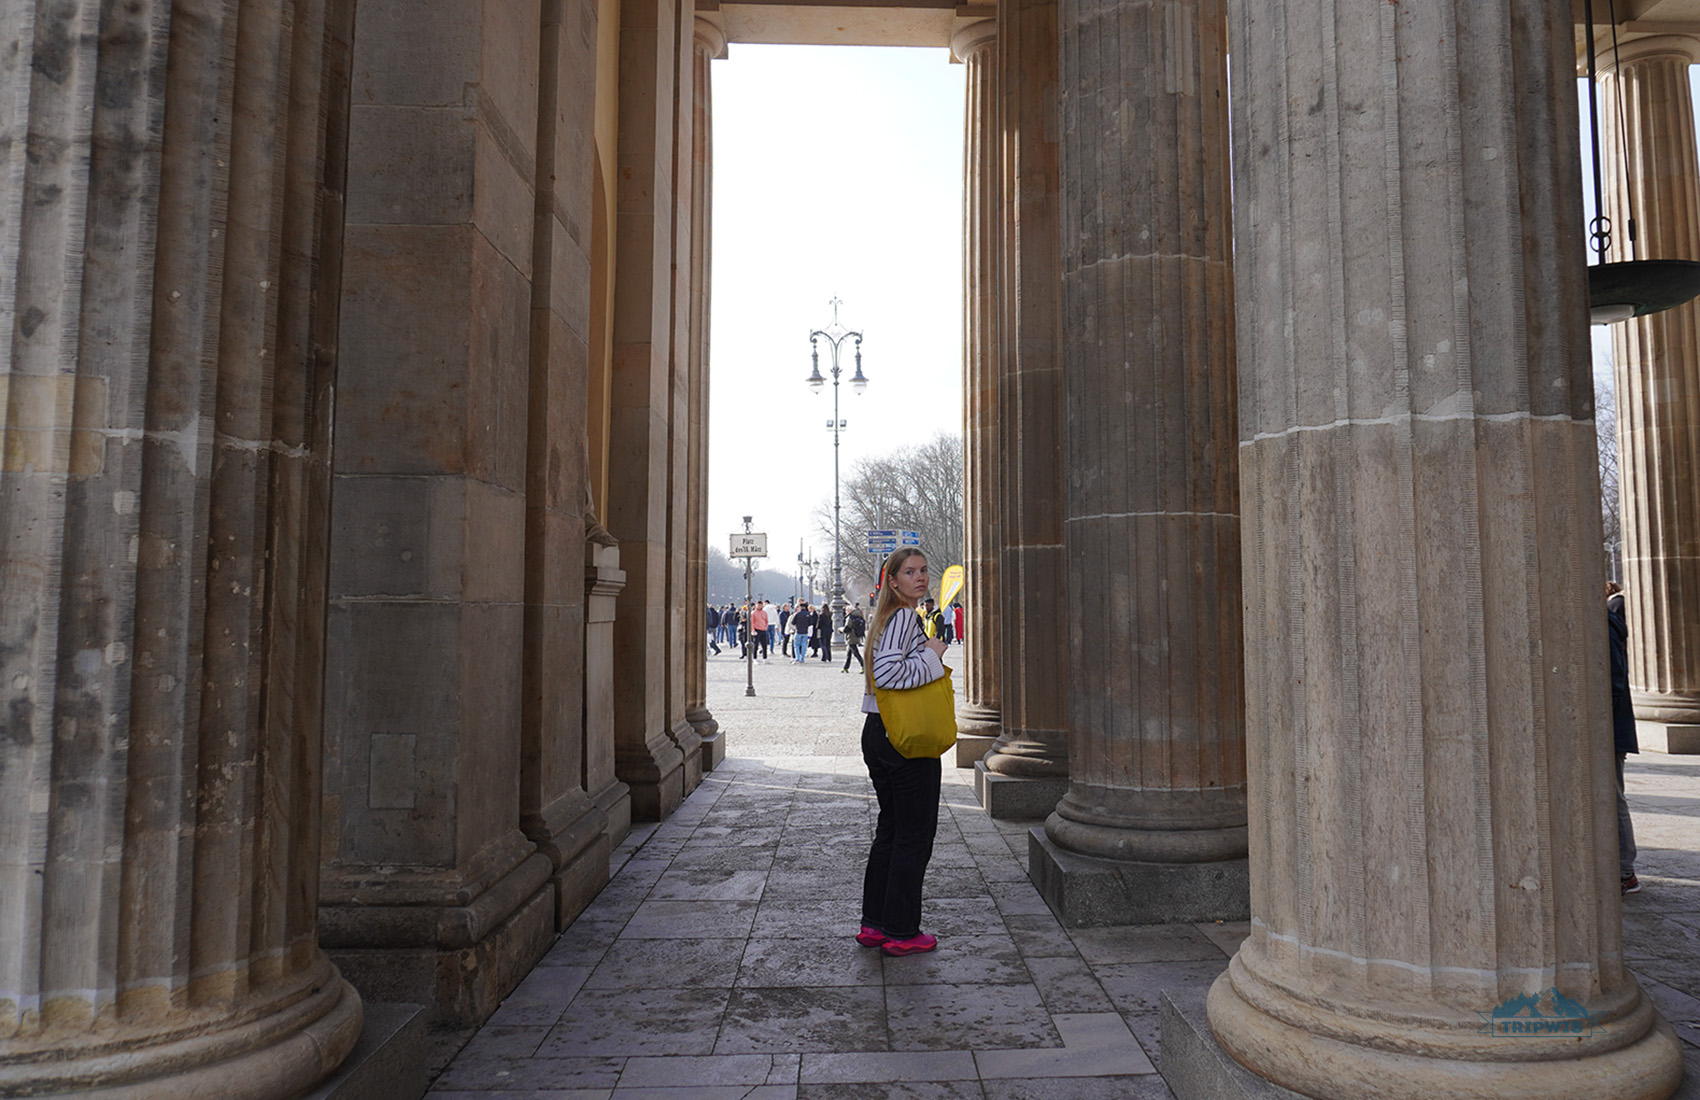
(836, 335)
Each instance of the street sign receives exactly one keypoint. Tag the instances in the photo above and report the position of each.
(749, 545)
(872, 535)
(910, 538)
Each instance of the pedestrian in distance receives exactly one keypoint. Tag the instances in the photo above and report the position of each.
(758, 628)
(823, 634)
(713, 628)
(802, 624)
(855, 629)
(907, 789)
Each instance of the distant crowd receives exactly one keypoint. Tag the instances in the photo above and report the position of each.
(800, 630)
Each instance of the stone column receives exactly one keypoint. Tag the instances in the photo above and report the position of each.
(1153, 824)
(1432, 832)
(433, 893)
(1658, 380)
(707, 43)
(976, 47)
(1026, 773)
(170, 335)
(641, 420)
(556, 811)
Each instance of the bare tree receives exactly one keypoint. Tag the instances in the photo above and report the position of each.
(1611, 482)
(917, 488)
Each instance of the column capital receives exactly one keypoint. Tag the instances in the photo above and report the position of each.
(711, 38)
(1675, 46)
(973, 38)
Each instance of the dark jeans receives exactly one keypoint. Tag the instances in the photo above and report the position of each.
(908, 793)
(854, 652)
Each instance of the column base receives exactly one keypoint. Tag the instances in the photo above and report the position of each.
(389, 1060)
(275, 1056)
(1193, 1063)
(1087, 891)
(972, 748)
(656, 775)
(1017, 798)
(684, 735)
(1676, 738)
(573, 834)
(615, 802)
(458, 961)
(1379, 1054)
(713, 751)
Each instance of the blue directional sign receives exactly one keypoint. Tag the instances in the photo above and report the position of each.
(872, 535)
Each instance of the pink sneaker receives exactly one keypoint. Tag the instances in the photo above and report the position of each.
(870, 936)
(914, 945)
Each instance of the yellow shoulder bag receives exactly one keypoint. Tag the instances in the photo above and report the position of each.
(919, 721)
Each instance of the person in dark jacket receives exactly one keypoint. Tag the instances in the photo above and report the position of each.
(855, 629)
(713, 628)
(802, 622)
(1623, 732)
(823, 633)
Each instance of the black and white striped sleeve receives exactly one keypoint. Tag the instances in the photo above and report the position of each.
(903, 660)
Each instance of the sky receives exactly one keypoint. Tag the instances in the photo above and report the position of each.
(837, 173)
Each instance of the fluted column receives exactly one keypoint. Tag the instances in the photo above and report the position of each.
(707, 43)
(169, 334)
(1033, 746)
(1432, 831)
(1658, 379)
(1157, 743)
(976, 47)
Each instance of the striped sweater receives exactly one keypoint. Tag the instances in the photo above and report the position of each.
(902, 659)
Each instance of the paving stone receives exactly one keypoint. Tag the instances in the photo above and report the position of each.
(972, 1017)
(713, 1069)
(900, 1065)
(667, 964)
(638, 1021)
(1067, 984)
(895, 1090)
(841, 961)
(984, 959)
(683, 920)
(1134, 986)
(526, 1074)
(1144, 943)
(803, 1019)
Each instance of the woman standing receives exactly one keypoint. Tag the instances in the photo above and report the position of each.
(902, 657)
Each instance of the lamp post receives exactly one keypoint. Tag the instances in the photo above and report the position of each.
(836, 336)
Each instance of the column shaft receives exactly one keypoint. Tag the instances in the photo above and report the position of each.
(642, 420)
(707, 44)
(556, 812)
(1034, 741)
(1658, 374)
(1432, 831)
(446, 532)
(1157, 743)
(976, 47)
(164, 434)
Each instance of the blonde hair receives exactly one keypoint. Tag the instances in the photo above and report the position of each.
(889, 602)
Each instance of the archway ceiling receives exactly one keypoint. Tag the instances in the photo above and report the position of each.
(845, 22)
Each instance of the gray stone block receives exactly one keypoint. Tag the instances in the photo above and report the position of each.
(971, 747)
(1084, 891)
(1194, 1064)
(388, 1061)
(1014, 798)
(1682, 740)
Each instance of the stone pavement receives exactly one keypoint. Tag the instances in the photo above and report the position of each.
(719, 964)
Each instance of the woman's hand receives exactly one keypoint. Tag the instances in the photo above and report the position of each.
(936, 646)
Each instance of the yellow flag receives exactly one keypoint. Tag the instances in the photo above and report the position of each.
(950, 585)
